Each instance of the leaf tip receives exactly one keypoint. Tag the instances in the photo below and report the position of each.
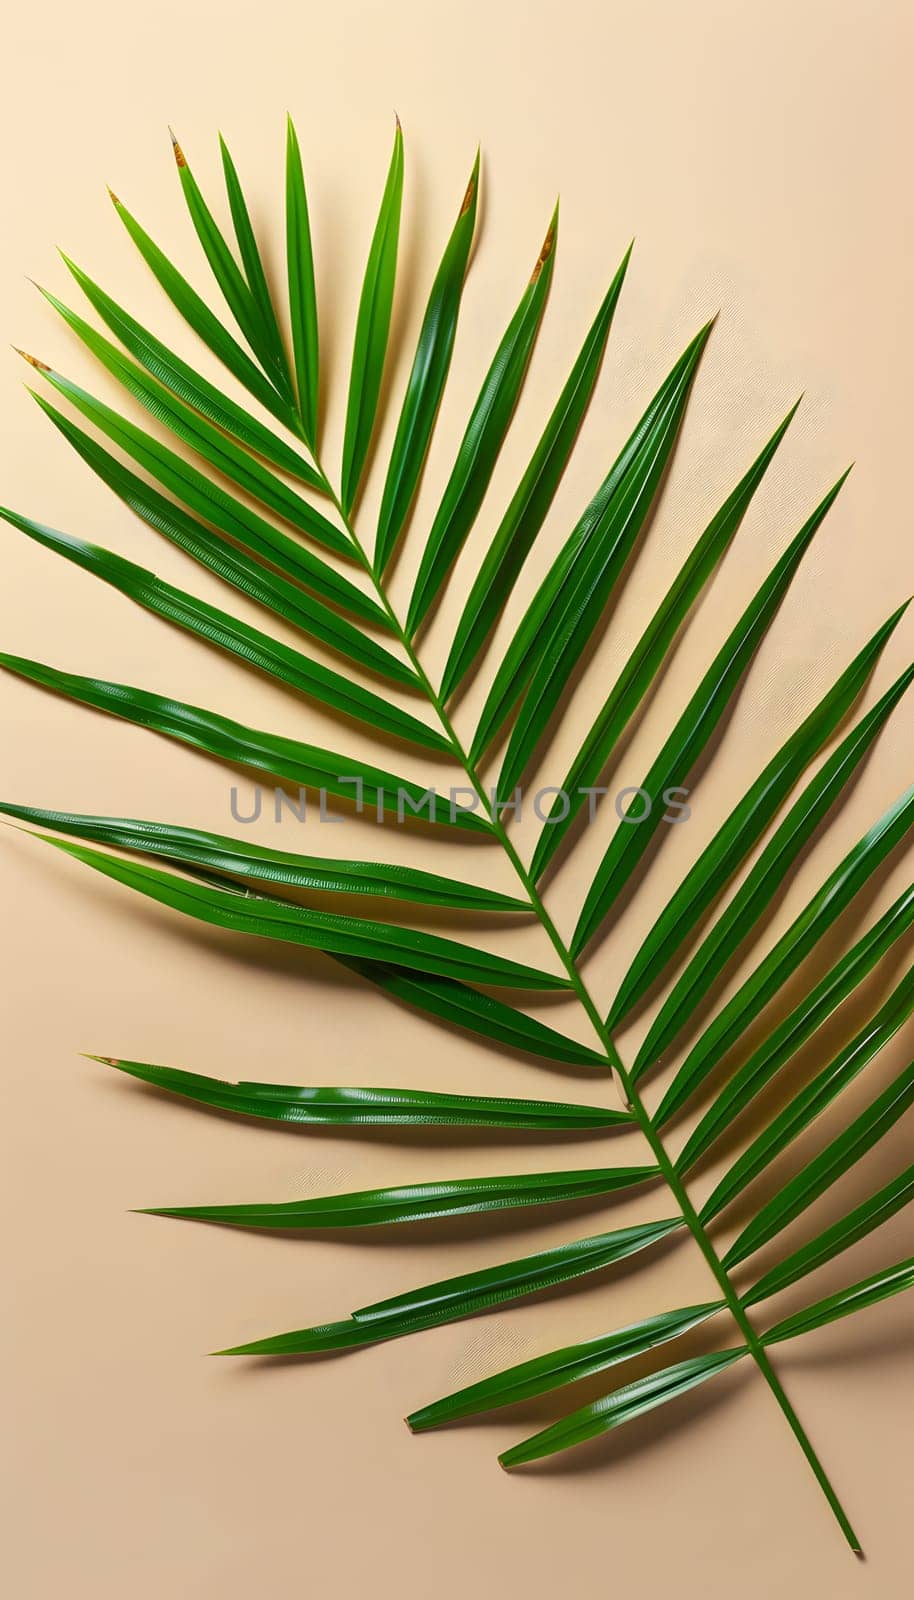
(33, 361)
(113, 198)
(180, 158)
(548, 245)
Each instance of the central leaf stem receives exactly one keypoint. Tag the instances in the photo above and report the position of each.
(613, 1061)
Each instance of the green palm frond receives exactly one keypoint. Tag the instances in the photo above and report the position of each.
(255, 503)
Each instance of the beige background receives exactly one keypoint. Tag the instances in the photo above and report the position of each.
(761, 156)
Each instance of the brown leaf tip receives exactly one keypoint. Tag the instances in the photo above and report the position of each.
(114, 199)
(468, 197)
(545, 253)
(33, 361)
(179, 153)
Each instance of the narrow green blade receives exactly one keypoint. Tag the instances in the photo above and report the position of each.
(253, 268)
(761, 885)
(235, 291)
(229, 514)
(302, 292)
(622, 1406)
(475, 1291)
(801, 937)
(496, 1286)
(648, 657)
(744, 827)
(816, 1097)
(525, 515)
(568, 1365)
(307, 765)
(206, 325)
(372, 329)
(189, 385)
(868, 1292)
(691, 733)
(426, 380)
(280, 596)
(864, 1219)
(569, 603)
(365, 1107)
(206, 439)
(240, 859)
(242, 911)
(483, 439)
(249, 645)
(825, 1169)
(420, 1202)
(786, 1039)
(477, 1013)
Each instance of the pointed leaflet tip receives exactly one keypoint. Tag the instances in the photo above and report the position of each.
(33, 361)
(113, 197)
(548, 245)
(472, 186)
(179, 153)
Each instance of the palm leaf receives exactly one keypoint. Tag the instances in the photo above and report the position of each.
(525, 515)
(691, 734)
(369, 1108)
(302, 292)
(372, 329)
(484, 436)
(567, 606)
(420, 1202)
(427, 379)
(208, 877)
(648, 655)
(622, 1406)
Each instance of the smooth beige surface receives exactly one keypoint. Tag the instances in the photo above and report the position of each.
(761, 155)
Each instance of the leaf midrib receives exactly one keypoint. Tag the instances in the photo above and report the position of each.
(614, 1065)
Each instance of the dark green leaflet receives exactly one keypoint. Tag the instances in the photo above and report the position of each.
(237, 294)
(525, 515)
(868, 1292)
(483, 438)
(649, 654)
(236, 638)
(189, 385)
(692, 732)
(206, 439)
(372, 329)
(302, 297)
(242, 911)
(871, 1214)
(426, 380)
(253, 268)
(826, 1168)
(570, 602)
(761, 885)
(229, 514)
(474, 1291)
(545, 1373)
(815, 1098)
(744, 827)
(364, 1107)
(197, 314)
(601, 532)
(477, 1013)
(622, 1406)
(805, 931)
(796, 1028)
(234, 566)
(242, 859)
(420, 1202)
(307, 765)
